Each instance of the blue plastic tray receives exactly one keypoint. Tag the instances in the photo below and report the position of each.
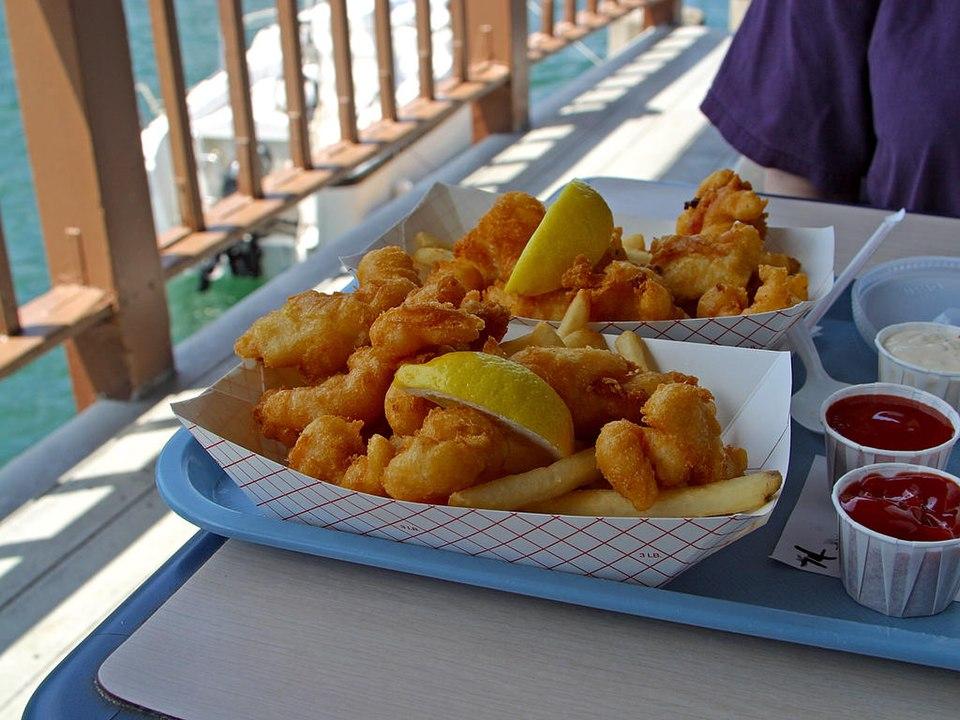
(739, 589)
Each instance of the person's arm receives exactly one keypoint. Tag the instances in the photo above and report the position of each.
(793, 94)
(778, 182)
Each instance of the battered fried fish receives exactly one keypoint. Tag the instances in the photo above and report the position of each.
(357, 394)
(317, 332)
(495, 244)
(332, 449)
(622, 291)
(455, 448)
(778, 290)
(722, 300)
(680, 446)
(597, 385)
(722, 199)
(691, 265)
(412, 327)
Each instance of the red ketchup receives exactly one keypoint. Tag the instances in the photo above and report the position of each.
(888, 422)
(909, 506)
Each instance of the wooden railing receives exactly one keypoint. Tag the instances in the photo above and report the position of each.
(77, 98)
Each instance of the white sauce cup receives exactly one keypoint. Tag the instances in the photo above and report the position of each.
(844, 455)
(901, 578)
(944, 384)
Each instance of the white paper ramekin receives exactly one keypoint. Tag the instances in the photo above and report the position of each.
(892, 369)
(895, 577)
(844, 454)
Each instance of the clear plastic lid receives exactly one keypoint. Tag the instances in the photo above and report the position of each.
(908, 290)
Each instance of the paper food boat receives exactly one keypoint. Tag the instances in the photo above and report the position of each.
(752, 391)
(449, 211)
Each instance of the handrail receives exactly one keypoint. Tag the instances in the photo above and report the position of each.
(9, 316)
(491, 52)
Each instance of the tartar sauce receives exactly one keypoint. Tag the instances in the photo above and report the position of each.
(930, 347)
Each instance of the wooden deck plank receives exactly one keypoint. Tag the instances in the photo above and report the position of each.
(48, 320)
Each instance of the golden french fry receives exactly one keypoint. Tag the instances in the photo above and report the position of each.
(543, 335)
(585, 337)
(634, 241)
(726, 497)
(515, 491)
(577, 315)
(426, 258)
(638, 257)
(426, 240)
(632, 347)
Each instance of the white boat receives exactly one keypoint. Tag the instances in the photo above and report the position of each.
(313, 223)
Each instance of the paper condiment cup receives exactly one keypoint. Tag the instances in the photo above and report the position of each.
(901, 578)
(844, 454)
(890, 368)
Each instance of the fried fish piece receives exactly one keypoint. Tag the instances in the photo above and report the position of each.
(622, 290)
(317, 332)
(778, 290)
(597, 385)
(680, 445)
(722, 199)
(331, 449)
(357, 394)
(405, 412)
(495, 244)
(691, 265)
(722, 300)
(327, 447)
(456, 448)
(412, 327)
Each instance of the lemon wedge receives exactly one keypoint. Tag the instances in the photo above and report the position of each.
(504, 389)
(578, 223)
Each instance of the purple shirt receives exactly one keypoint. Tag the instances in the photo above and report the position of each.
(861, 97)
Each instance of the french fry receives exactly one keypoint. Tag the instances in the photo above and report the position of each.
(426, 240)
(634, 241)
(639, 257)
(426, 258)
(577, 315)
(543, 335)
(632, 347)
(541, 484)
(585, 337)
(726, 497)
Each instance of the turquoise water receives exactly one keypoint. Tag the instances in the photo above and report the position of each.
(38, 398)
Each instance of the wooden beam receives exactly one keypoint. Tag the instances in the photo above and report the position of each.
(61, 313)
(343, 70)
(424, 49)
(293, 83)
(166, 43)
(9, 317)
(238, 80)
(384, 36)
(506, 109)
(460, 42)
(75, 82)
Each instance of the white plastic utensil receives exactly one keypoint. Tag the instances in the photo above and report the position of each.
(855, 266)
(806, 402)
